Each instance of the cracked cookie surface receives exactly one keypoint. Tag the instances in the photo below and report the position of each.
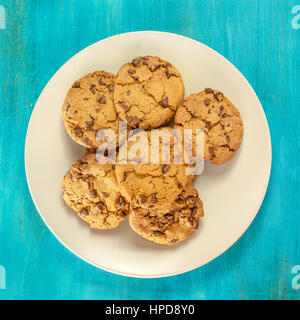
(149, 184)
(147, 92)
(89, 107)
(91, 189)
(211, 111)
(169, 224)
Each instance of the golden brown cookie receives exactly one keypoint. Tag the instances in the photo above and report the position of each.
(148, 184)
(211, 111)
(147, 92)
(91, 189)
(89, 107)
(171, 223)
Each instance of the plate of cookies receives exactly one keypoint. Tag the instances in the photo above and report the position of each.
(148, 154)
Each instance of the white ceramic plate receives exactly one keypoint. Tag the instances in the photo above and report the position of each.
(231, 193)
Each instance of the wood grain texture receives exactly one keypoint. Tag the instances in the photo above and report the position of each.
(257, 37)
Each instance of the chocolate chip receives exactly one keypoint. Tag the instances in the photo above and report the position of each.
(145, 60)
(86, 142)
(102, 99)
(100, 207)
(191, 222)
(128, 92)
(211, 150)
(143, 198)
(153, 198)
(157, 66)
(135, 78)
(209, 90)
(169, 215)
(164, 102)
(206, 101)
(225, 115)
(130, 71)
(92, 89)
(124, 107)
(221, 108)
(191, 200)
(180, 197)
(77, 174)
(194, 211)
(84, 212)
(165, 168)
(76, 84)
(133, 120)
(111, 88)
(170, 74)
(216, 95)
(161, 224)
(135, 62)
(93, 194)
(124, 177)
(83, 160)
(105, 194)
(100, 81)
(89, 124)
(121, 202)
(78, 132)
(207, 125)
(158, 233)
(123, 213)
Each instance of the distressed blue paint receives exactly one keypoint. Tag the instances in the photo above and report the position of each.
(257, 37)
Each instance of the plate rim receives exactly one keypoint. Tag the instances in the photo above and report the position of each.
(184, 270)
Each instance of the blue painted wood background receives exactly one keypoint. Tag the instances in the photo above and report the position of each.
(256, 36)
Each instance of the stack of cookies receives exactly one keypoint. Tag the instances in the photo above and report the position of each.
(159, 198)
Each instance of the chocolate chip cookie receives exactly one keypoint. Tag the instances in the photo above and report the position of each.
(169, 224)
(152, 184)
(211, 111)
(147, 92)
(91, 189)
(89, 107)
